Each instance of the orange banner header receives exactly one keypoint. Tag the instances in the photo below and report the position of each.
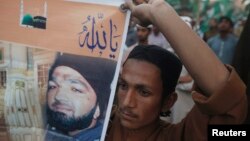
(73, 27)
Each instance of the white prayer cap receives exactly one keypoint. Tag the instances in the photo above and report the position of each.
(149, 26)
(187, 20)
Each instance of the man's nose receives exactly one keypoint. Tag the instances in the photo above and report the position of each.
(61, 94)
(130, 99)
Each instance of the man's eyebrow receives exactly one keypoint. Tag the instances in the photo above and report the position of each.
(141, 86)
(72, 80)
(53, 78)
(121, 79)
(76, 81)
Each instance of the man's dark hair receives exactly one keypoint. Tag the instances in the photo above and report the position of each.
(169, 65)
(226, 19)
(99, 73)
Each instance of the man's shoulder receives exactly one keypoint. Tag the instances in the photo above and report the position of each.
(233, 37)
(213, 39)
(92, 134)
(52, 135)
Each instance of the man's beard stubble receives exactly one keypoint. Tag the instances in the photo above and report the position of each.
(66, 124)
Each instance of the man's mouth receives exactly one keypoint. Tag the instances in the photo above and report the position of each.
(62, 108)
(127, 114)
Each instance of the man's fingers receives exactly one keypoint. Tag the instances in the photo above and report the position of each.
(128, 5)
(139, 11)
(123, 8)
(150, 1)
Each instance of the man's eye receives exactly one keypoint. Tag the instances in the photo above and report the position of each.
(122, 86)
(76, 90)
(144, 92)
(52, 87)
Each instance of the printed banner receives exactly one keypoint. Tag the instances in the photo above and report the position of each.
(68, 26)
(59, 63)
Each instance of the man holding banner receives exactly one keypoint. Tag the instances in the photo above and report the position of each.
(150, 74)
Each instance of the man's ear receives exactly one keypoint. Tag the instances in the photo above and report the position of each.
(97, 113)
(168, 102)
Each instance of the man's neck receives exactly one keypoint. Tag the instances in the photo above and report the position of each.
(223, 35)
(213, 29)
(141, 133)
(156, 33)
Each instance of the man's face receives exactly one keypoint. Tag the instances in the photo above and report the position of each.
(139, 94)
(156, 31)
(142, 33)
(213, 23)
(70, 94)
(224, 26)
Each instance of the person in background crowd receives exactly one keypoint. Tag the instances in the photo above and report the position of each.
(156, 38)
(238, 28)
(131, 35)
(223, 44)
(142, 34)
(212, 31)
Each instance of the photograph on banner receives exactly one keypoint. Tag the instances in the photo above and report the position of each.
(60, 92)
(58, 68)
